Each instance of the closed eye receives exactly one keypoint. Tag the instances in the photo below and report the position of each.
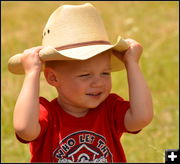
(84, 75)
(106, 73)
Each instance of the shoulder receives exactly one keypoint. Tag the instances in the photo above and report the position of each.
(46, 106)
(116, 102)
(44, 102)
(112, 98)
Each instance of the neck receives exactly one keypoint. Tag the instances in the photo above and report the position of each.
(72, 110)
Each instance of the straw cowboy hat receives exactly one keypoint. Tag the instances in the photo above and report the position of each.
(74, 32)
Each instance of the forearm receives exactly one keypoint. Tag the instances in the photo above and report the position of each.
(139, 94)
(26, 112)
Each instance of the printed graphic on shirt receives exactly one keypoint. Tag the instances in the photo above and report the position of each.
(82, 146)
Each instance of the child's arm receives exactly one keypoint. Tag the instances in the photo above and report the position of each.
(140, 113)
(26, 112)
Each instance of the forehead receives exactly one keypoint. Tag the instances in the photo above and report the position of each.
(101, 61)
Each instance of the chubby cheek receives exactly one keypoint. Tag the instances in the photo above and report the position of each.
(108, 86)
(77, 89)
(73, 89)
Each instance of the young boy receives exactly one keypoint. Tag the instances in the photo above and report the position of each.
(85, 122)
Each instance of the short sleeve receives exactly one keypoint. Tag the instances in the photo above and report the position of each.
(43, 119)
(119, 107)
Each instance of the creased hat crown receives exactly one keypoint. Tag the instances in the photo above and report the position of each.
(70, 24)
(74, 32)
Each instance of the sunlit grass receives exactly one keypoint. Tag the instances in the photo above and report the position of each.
(153, 24)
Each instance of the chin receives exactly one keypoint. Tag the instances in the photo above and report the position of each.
(94, 102)
(93, 105)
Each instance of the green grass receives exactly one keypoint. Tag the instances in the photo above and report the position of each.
(153, 24)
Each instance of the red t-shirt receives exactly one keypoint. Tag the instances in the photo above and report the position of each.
(94, 137)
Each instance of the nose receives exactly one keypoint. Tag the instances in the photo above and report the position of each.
(97, 82)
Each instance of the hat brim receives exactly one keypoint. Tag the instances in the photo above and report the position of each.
(79, 53)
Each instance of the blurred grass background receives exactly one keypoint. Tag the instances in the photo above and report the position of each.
(153, 24)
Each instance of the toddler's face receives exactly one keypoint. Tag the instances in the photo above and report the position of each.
(84, 84)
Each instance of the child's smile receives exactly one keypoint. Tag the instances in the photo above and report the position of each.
(83, 84)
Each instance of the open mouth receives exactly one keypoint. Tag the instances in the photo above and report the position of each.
(94, 94)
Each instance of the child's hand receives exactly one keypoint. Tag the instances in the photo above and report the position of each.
(132, 54)
(31, 61)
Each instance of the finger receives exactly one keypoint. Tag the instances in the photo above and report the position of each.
(132, 41)
(33, 49)
(37, 49)
(134, 44)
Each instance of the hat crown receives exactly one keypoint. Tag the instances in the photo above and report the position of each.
(72, 24)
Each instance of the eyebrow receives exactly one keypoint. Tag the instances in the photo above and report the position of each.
(109, 69)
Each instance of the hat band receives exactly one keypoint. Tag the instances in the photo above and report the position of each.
(82, 44)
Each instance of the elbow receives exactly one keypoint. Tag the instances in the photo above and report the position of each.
(146, 121)
(19, 127)
(147, 118)
(137, 121)
(25, 132)
(21, 131)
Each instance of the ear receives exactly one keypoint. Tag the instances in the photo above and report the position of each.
(51, 76)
